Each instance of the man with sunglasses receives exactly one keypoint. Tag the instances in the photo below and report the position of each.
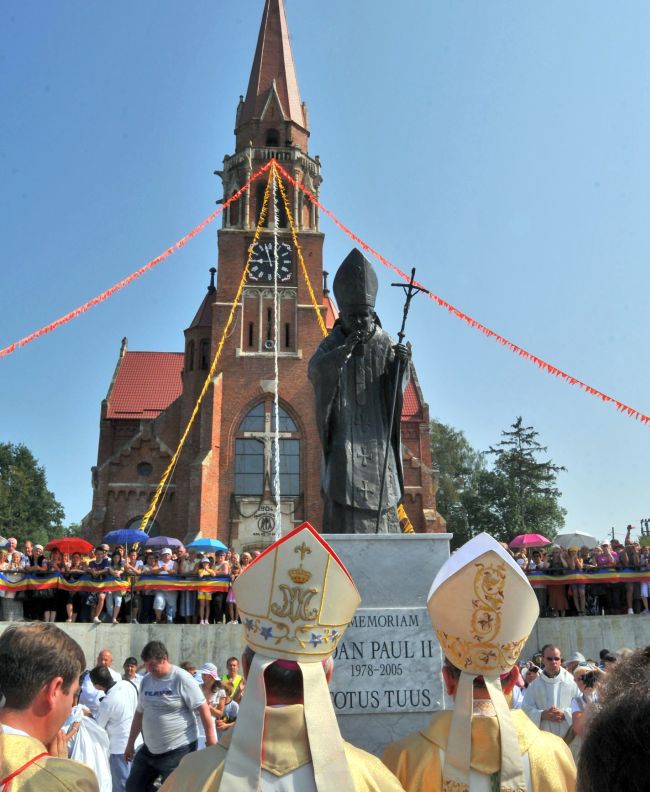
(548, 699)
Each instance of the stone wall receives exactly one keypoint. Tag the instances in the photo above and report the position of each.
(368, 729)
(193, 642)
(589, 634)
(216, 643)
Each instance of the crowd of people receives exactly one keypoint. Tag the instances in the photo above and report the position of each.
(270, 723)
(589, 599)
(153, 604)
(130, 727)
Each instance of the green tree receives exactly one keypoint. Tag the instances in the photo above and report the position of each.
(460, 468)
(525, 493)
(517, 494)
(28, 509)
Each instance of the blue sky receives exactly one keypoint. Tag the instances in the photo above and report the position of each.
(501, 148)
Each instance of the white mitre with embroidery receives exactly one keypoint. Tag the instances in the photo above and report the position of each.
(295, 601)
(483, 609)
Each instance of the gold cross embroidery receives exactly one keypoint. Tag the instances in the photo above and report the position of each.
(303, 550)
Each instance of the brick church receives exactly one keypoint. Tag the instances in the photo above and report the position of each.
(222, 484)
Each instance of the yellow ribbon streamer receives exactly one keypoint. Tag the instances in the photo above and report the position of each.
(314, 302)
(213, 367)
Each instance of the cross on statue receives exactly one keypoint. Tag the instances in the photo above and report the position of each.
(364, 456)
(365, 488)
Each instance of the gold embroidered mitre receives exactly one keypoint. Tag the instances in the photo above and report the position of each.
(482, 608)
(296, 599)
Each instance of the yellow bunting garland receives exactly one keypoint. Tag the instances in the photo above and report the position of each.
(213, 367)
(314, 302)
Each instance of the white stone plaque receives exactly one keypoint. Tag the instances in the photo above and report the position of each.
(257, 522)
(388, 662)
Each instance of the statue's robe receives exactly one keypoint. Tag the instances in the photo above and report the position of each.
(286, 761)
(417, 760)
(354, 395)
(46, 773)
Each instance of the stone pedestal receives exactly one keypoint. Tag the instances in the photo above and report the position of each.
(387, 677)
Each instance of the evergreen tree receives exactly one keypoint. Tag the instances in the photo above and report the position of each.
(28, 509)
(526, 496)
(518, 494)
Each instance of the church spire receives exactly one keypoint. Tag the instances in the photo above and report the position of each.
(273, 98)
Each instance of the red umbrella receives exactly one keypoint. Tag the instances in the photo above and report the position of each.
(529, 540)
(69, 544)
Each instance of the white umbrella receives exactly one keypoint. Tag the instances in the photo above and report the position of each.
(576, 539)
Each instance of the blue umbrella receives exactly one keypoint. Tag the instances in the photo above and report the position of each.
(125, 536)
(207, 544)
(163, 541)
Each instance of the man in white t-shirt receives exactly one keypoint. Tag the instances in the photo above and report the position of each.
(165, 714)
(115, 714)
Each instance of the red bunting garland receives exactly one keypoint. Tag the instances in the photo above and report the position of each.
(125, 282)
(620, 406)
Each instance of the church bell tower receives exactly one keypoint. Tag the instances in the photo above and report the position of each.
(271, 123)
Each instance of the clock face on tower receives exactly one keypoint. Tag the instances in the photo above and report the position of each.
(262, 262)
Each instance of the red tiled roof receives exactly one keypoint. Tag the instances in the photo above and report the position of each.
(411, 409)
(331, 312)
(146, 383)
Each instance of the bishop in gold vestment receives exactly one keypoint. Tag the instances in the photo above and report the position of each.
(47, 774)
(483, 609)
(296, 601)
(417, 759)
(286, 761)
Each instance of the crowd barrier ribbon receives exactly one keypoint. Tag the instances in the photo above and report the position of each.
(601, 576)
(34, 581)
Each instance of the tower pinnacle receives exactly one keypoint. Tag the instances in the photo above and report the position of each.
(273, 98)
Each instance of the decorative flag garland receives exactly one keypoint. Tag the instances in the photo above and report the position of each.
(548, 367)
(125, 282)
(31, 581)
(620, 406)
(15, 582)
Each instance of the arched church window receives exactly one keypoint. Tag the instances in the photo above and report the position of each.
(153, 526)
(261, 188)
(204, 354)
(272, 137)
(255, 453)
(283, 220)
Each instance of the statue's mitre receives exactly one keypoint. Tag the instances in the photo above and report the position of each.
(296, 599)
(355, 282)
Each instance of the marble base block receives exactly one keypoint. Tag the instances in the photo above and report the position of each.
(387, 676)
